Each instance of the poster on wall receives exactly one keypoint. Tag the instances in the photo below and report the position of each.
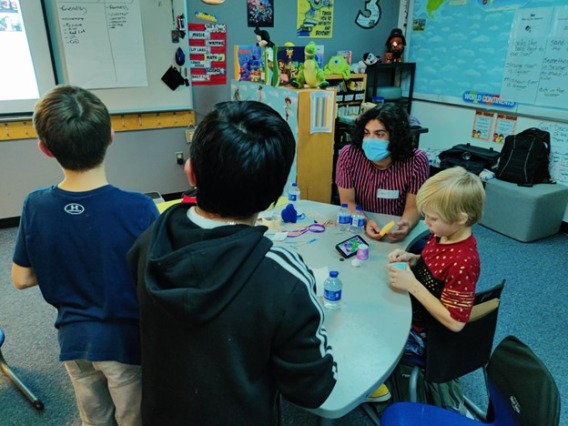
(315, 18)
(260, 13)
(475, 35)
(208, 53)
(482, 125)
(504, 126)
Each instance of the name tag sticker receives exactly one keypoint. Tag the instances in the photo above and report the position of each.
(389, 194)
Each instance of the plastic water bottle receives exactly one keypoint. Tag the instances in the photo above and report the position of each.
(343, 218)
(294, 194)
(358, 221)
(332, 287)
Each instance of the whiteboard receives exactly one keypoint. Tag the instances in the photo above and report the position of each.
(89, 48)
(461, 50)
(536, 70)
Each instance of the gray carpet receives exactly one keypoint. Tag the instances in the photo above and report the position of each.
(534, 308)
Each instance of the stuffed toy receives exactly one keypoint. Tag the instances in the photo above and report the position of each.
(309, 72)
(368, 60)
(338, 65)
(263, 40)
(395, 46)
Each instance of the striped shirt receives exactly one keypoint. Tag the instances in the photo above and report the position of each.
(381, 191)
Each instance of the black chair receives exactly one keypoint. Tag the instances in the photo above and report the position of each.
(522, 392)
(38, 405)
(450, 355)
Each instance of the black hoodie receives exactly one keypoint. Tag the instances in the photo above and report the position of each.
(228, 320)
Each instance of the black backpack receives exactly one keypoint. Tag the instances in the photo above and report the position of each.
(525, 158)
(472, 158)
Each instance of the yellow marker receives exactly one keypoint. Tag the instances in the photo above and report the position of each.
(387, 228)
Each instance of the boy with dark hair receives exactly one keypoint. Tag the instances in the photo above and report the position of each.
(72, 242)
(228, 320)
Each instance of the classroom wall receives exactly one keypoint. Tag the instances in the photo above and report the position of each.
(138, 160)
(145, 160)
(450, 125)
(346, 36)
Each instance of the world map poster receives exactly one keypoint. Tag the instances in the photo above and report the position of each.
(461, 47)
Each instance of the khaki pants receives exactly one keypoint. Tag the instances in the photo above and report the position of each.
(108, 393)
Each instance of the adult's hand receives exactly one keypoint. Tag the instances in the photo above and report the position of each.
(373, 230)
(399, 233)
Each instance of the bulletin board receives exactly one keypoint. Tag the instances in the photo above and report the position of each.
(141, 38)
(464, 50)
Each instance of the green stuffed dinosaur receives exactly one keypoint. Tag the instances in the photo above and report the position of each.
(309, 72)
(338, 65)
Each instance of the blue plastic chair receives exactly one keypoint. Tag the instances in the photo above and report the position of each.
(522, 392)
(38, 405)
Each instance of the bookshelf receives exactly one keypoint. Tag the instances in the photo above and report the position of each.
(350, 94)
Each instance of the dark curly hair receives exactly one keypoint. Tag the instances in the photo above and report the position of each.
(396, 122)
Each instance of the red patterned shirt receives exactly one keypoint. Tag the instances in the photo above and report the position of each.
(450, 272)
(381, 191)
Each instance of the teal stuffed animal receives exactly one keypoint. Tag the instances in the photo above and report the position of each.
(338, 65)
(309, 72)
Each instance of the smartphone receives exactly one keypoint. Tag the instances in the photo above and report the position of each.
(348, 247)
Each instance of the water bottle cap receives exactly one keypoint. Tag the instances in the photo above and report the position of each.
(294, 184)
(333, 274)
(344, 205)
(358, 208)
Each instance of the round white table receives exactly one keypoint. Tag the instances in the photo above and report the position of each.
(369, 331)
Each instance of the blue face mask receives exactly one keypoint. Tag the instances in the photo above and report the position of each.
(375, 149)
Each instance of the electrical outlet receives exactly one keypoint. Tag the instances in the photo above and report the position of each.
(179, 158)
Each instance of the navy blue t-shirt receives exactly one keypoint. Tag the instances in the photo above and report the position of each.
(76, 242)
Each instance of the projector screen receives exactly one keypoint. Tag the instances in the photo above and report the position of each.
(27, 70)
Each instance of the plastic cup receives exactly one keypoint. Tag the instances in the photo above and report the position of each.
(363, 252)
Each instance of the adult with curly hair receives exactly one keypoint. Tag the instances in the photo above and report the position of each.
(381, 171)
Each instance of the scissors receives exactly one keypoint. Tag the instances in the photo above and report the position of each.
(316, 228)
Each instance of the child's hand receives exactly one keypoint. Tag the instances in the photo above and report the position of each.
(401, 279)
(398, 255)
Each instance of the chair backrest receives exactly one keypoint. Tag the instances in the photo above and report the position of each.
(521, 389)
(450, 355)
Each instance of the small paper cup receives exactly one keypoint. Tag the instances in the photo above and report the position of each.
(399, 265)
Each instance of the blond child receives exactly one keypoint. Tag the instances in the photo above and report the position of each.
(442, 279)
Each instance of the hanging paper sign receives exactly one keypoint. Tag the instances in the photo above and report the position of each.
(208, 53)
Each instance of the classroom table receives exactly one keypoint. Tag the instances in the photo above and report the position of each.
(369, 331)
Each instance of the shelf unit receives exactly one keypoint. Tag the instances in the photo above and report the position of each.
(394, 74)
(350, 92)
(314, 155)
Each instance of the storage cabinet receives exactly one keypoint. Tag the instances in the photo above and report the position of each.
(393, 74)
(315, 154)
(350, 94)
(312, 125)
